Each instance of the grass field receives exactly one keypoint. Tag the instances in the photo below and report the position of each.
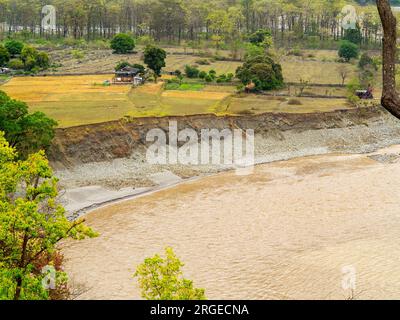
(76, 100)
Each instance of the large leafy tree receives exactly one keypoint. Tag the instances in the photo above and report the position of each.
(122, 43)
(31, 225)
(27, 132)
(162, 279)
(155, 57)
(261, 70)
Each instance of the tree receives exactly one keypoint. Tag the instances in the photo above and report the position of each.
(162, 279)
(262, 38)
(14, 47)
(261, 70)
(26, 132)
(348, 50)
(154, 58)
(343, 71)
(192, 72)
(33, 59)
(31, 225)
(4, 56)
(122, 43)
(390, 99)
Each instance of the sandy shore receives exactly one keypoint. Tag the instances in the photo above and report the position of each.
(286, 231)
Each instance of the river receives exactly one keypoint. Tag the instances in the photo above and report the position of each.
(284, 232)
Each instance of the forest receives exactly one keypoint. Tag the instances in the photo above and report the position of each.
(309, 23)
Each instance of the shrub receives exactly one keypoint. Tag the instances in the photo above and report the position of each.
(77, 54)
(191, 72)
(213, 74)
(16, 64)
(367, 61)
(295, 52)
(348, 50)
(209, 78)
(14, 47)
(202, 74)
(202, 62)
(4, 56)
(122, 43)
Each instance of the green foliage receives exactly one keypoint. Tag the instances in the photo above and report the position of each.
(77, 54)
(16, 64)
(4, 56)
(162, 279)
(262, 38)
(353, 35)
(367, 62)
(209, 78)
(155, 57)
(202, 74)
(352, 87)
(33, 59)
(122, 64)
(348, 50)
(31, 224)
(192, 72)
(14, 47)
(27, 132)
(122, 43)
(263, 71)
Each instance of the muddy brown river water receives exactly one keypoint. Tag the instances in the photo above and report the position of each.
(284, 232)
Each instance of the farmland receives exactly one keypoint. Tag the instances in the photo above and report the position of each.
(76, 100)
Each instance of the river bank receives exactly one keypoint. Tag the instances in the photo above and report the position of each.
(99, 164)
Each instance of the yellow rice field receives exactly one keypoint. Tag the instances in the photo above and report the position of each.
(77, 100)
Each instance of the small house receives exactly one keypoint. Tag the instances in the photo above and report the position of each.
(126, 75)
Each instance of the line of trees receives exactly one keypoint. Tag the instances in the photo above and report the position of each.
(190, 20)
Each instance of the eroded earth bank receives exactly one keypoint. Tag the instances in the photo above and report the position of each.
(103, 162)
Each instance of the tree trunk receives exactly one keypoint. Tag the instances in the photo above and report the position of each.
(390, 98)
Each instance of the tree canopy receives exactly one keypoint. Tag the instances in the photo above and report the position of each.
(31, 225)
(27, 132)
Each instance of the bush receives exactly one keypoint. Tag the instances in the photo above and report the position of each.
(348, 51)
(202, 74)
(202, 62)
(77, 54)
(34, 60)
(16, 64)
(4, 56)
(213, 74)
(14, 47)
(191, 72)
(367, 61)
(209, 78)
(122, 43)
